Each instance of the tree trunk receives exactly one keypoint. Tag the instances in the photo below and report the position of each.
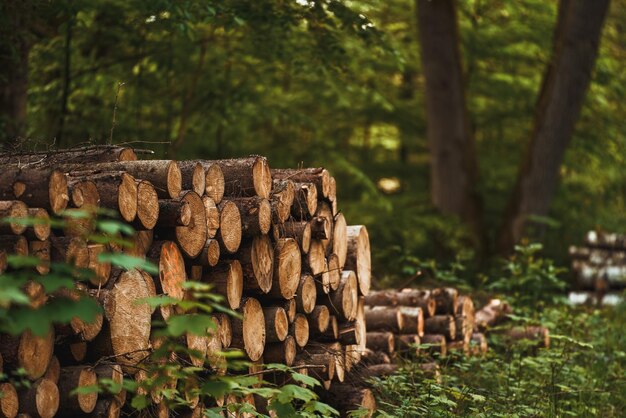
(565, 83)
(454, 171)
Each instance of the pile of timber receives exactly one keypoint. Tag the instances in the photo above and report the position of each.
(599, 265)
(272, 242)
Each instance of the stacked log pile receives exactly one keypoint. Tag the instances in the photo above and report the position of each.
(600, 264)
(272, 242)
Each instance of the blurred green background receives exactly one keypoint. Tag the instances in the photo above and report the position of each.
(328, 83)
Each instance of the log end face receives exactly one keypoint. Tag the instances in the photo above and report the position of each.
(234, 286)
(230, 227)
(215, 183)
(281, 324)
(308, 293)
(87, 401)
(198, 179)
(147, 205)
(192, 238)
(253, 329)
(265, 216)
(290, 350)
(127, 197)
(288, 267)
(46, 398)
(174, 179)
(340, 239)
(34, 353)
(262, 177)
(172, 272)
(9, 402)
(58, 192)
(263, 262)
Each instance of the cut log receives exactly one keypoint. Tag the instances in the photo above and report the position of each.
(445, 300)
(225, 329)
(70, 379)
(305, 201)
(198, 345)
(39, 188)
(191, 238)
(229, 234)
(213, 178)
(381, 341)
(256, 215)
(210, 254)
(227, 280)
(15, 210)
(319, 319)
(358, 256)
(306, 294)
(492, 314)
(193, 176)
(257, 263)
(212, 214)
(335, 350)
(298, 230)
(281, 352)
(276, 324)
(325, 211)
(384, 319)
(28, 351)
(112, 372)
(282, 197)
(340, 239)
(408, 344)
(413, 320)
(322, 364)
(290, 308)
(84, 194)
(102, 270)
(40, 230)
(172, 273)
(287, 269)
(14, 244)
(300, 330)
(174, 212)
(129, 322)
(436, 343)
(53, 371)
(249, 330)
(40, 400)
(441, 324)
(538, 335)
(83, 155)
(315, 261)
(41, 250)
(346, 398)
(334, 271)
(343, 301)
(9, 402)
(332, 330)
(244, 177)
(318, 176)
(147, 205)
(117, 190)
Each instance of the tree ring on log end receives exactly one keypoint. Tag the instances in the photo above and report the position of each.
(262, 177)
(215, 183)
(263, 262)
(230, 226)
(192, 238)
(174, 179)
(58, 192)
(147, 204)
(127, 197)
(253, 329)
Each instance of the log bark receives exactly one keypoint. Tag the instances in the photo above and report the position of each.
(305, 201)
(384, 319)
(81, 155)
(343, 301)
(375, 357)
(282, 198)
(41, 400)
(306, 294)
(445, 300)
(117, 190)
(318, 176)
(281, 352)
(9, 402)
(300, 330)
(147, 205)
(256, 215)
(14, 209)
(249, 331)
(28, 351)
(174, 212)
(323, 364)
(229, 234)
(245, 177)
(212, 214)
(335, 350)
(70, 379)
(358, 257)
(381, 341)
(227, 280)
(276, 324)
(225, 330)
(53, 371)
(441, 324)
(436, 343)
(257, 263)
(298, 230)
(42, 188)
(102, 270)
(287, 269)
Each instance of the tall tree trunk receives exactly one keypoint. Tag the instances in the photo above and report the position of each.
(14, 48)
(454, 171)
(565, 83)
